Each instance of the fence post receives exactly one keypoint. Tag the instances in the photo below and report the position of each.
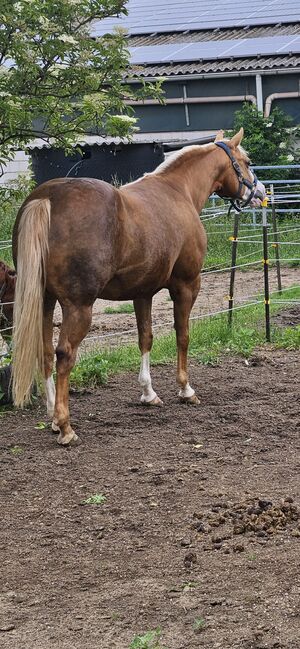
(276, 245)
(233, 265)
(266, 268)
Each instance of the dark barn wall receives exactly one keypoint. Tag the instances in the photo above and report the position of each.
(117, 164)
(211, 116)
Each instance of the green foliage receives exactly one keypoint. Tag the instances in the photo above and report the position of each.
(96, 499)
(11, 197)
(91, 369)
(150, 640)
(289, 338)
(268, 140)
(122, 308)
(56, 80)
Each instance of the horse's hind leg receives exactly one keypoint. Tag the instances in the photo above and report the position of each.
(142, 307)
(183, 295)
(49, 304)
(75, 325)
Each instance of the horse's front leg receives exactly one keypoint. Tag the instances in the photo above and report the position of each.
(75, 325)
(142, 308)
(183, 295)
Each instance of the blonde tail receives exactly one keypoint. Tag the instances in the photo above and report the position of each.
(33, 234)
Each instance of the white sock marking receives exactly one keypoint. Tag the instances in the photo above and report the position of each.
(50, 394)
(145, 379)
(187, 391)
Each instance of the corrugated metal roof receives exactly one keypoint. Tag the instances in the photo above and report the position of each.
(206, 67)
(213, 35)
(137, 138)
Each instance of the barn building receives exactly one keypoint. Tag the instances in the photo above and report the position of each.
(212, 57)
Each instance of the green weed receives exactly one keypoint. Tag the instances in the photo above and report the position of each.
(252, 556)
(127, 307)
(199, 624)
(189, 585)
(150, 640)
(16, 450)
(92, 369)
(96, 499)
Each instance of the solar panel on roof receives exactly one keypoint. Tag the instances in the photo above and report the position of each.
(215, 49)
(173, 15)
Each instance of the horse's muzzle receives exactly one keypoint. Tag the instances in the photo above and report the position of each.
(259, 195)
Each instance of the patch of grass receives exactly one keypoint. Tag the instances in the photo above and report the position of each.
(92, 369)
(220, 245)
(189, 585)
(209, 339)
(127, 307)
(287, 338)
(252, 556)
(96, 499)
(199, 624)
(16, 450)
(150, 640)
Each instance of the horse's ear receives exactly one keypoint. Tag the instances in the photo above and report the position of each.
(219, 136)
(237, 138)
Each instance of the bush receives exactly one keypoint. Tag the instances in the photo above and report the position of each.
(269, 140)
(11, 197)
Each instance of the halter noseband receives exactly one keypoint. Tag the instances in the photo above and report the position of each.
(242, 180)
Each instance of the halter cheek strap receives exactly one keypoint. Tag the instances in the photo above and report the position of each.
(242, 180)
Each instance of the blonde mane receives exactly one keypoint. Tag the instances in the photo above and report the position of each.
(172, 159)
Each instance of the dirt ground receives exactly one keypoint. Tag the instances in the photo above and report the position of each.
(200, 530)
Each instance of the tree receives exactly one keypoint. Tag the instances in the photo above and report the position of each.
(56, 80)
(268, 140)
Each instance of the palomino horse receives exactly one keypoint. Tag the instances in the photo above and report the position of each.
(8, 279)
(76, 240)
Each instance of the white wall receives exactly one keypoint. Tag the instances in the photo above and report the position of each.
(20, 165)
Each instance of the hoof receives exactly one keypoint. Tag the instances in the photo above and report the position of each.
(71, 439)
(154, 402)
(55, 428)
(193, 400)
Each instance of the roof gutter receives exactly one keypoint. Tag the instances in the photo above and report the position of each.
(279, 95)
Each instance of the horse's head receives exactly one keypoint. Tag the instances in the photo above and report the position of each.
(238, 182)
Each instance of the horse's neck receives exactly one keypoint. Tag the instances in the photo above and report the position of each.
(197, 175)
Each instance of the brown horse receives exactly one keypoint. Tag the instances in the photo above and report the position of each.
(8, 279)
(76, 240)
